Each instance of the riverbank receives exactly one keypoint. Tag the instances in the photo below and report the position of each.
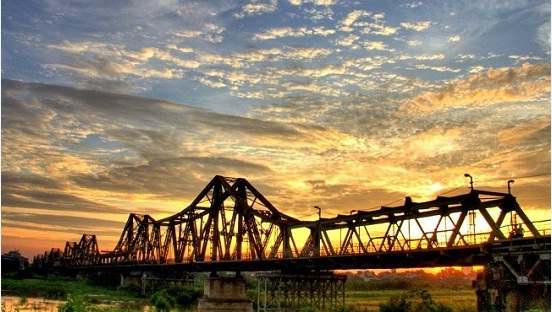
(47, 294)
(24, 304)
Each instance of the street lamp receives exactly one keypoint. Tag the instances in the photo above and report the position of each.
(509, 188)
(317, 233)
(319, 211)
(467, 175)
(351, 212)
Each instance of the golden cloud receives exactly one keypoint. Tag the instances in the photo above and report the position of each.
(528, 82)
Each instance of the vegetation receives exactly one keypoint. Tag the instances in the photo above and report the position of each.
(176, 298)
(365, 291)
(61, 288)
(79, 295)
(413, 301)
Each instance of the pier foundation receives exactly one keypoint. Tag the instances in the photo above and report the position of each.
(515, 281)
(225, 294)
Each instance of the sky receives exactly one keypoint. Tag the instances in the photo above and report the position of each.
(117, 107)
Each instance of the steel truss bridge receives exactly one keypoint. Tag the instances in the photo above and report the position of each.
(231, 226)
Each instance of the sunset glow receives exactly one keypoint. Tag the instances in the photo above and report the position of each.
(111, 108)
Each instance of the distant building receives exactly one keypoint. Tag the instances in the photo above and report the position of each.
(13, 261)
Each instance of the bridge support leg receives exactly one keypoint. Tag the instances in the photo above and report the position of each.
(517, 283)
(225, 294)
(297, 292)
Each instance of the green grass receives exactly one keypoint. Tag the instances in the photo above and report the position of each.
(77, 291)
(463, 300)
(83, 293)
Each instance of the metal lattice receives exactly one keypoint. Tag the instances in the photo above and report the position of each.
(231, 220)
(295, 292)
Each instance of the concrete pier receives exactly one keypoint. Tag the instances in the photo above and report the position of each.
(225, 294)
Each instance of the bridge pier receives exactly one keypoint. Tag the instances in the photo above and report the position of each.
(225, 294)
(515, 280)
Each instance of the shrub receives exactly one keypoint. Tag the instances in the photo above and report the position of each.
(162, 301)
(413, 301)
(72, 306)
(181, 297)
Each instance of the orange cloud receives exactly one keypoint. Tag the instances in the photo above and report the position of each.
(528, 82)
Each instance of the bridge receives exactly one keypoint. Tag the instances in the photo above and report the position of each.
(231, 226)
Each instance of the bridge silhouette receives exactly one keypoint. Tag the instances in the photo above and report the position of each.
(231, 226)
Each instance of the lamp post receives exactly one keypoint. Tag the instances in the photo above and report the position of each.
(351, 212)
(467, 175)
(317, 233)
(319, 212)
(509, 187)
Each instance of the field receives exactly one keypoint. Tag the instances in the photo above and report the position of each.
(455, 293)
(463, 300)
(61, 289)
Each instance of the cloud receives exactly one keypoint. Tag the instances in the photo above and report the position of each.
(68, 151)
(347, 41)
(524, 83)
(60, 223)
(146, 141)
(315, 2)
(374, 25)
(438, 68)
(454, 38)
(353, 16)
(423, 57)
(281, 33)
(255, 7)
(418, 26)
(143, 180)
(346, 105)
(109, 67)
(375, 45)
(40, 192)
(414, 4)
(543, 36)
(414, 43)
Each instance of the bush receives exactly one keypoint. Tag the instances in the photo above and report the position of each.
(175, 297)
(413, 301)
(162, 301)
(72, 305)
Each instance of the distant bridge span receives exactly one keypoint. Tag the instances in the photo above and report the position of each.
(231, 226)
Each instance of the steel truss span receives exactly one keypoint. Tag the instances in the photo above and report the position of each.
(232, 226)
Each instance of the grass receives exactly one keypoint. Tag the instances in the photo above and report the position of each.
(463, 300)
(113, 298)
(78, 291)
(59, 288)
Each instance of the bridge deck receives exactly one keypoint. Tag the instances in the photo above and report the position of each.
(449, 256)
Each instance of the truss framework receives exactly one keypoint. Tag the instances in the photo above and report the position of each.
(517, 278)
(231, 220)
(294, 292)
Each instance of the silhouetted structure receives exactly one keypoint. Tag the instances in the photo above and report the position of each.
(231, 226)
(13, 261)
